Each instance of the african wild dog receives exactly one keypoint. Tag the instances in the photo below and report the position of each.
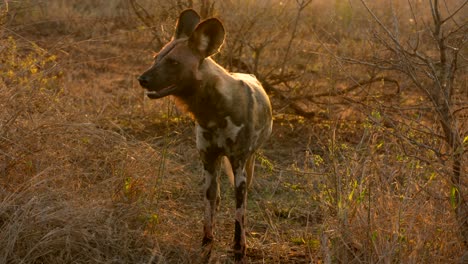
(232, 113)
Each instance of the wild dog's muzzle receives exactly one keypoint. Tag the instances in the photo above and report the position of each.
(151, 92)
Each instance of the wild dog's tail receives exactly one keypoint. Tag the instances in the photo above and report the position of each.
(249, 169)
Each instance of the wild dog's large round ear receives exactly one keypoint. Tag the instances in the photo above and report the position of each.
(186, 23)
(207, 37)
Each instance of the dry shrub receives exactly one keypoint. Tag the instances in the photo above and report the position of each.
(65, 194)
(382, 205)
(77, 186)
(91, 172)
(45, 222)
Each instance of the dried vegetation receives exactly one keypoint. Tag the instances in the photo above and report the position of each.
(358, 169)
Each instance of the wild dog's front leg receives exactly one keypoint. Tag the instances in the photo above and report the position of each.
(211, 165)
(241, 204)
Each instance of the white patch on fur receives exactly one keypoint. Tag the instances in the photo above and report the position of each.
(203, 43)
(219, 136)
(231, 130)
(202, 143)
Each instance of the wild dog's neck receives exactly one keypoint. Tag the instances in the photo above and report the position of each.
(211, 98)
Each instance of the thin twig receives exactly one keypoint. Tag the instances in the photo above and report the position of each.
(145, 18)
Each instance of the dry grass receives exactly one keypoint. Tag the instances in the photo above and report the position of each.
(92, 172)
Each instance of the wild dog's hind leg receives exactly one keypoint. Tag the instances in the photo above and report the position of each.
(211, 166)
(238, 166)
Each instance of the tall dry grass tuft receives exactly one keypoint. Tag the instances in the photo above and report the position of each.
(381, 205)
(67, 189)
(43, 222)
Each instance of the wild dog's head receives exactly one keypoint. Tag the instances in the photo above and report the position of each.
(176, 67)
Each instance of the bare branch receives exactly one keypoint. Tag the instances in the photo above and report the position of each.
(301, 5)
(293, 105)
(358, 85)
(387, 31)
(144, 17)
(455, 12)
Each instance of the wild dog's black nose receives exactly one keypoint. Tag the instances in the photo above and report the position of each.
(143, 80)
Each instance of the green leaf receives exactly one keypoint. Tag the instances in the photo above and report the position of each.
(154, 219)
(128, 184)
(454, 197)
(298, 240)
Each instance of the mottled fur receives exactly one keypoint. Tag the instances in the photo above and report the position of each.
(232, 112)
